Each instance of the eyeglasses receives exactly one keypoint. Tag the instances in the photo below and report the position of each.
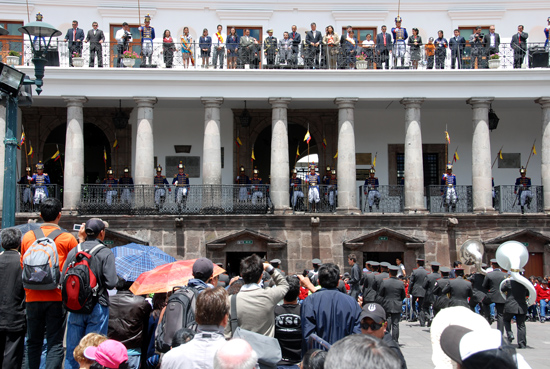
(373, 326)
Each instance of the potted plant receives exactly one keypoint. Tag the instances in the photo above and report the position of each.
(361, 61)
(494, 61)
(13, 58)
(78, 60)
(129, 58)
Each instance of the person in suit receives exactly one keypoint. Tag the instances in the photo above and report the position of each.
(459, 289)
(492, 284)
(491, 42)
(515, 306)
(418, 292)
(313, 42)
(478, 292)
(270, 48)
(429, 286)
(441, 45)
(296, 41)
(369, 291)
(392, 290)
(74, 37)
(383, 47)
(95, 37)
(457, 44)
(519, 45)
(350, 50)
(355, 276)
(205, 44)
(442, 301)
(247, 47)
(379, 278)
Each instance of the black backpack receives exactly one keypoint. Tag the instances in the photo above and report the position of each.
(179, 313)
(80, 286)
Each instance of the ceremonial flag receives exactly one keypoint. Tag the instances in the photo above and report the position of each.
(374, 161)
(456, 158)
(31, 153)
(324, 143)
(447, 137)
(56, 156)
(104, 154)
(307, 138)
(298, 151)
(534, 150)
(335, 156)
(115, 145)
(500, 154)
(238, 142)
(22, 141)
(252, 156)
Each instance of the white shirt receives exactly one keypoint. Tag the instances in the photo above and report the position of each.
(492, 35)
(368, 43)
(119, 34)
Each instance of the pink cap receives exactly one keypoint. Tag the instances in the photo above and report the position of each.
(109, 353)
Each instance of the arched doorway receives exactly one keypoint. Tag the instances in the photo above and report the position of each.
(262, 148)
(95, 142)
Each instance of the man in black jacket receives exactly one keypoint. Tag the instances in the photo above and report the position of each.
(103, 266)
(296, 42)
(355, 276)
(491, 41)
(417, 291)
(392, 290)
(519, 45)
(12, 308)
(313, 42)
(492, 284)
(369, 291)
(515, 305)
(429, 285)
(459, 289)
(456, 44)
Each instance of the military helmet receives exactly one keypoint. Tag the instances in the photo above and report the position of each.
(372, 170)
(39, 17)
(334, 171)
(126, 170)
(256, 171)
(328, 168)
(159, 168)
(522, 170)
(398, 19)
(40, 165)
(28, 169)
(449, 166)
(110, 171)
(147, 18)
(181, 166)
(294, 171)
(242, 168)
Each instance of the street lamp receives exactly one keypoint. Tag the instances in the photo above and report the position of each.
(10, 82)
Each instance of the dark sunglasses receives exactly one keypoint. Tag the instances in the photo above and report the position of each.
(373, 326)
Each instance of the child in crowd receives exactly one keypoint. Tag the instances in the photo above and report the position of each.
(430, 52)
(110, 354)
(91, 339)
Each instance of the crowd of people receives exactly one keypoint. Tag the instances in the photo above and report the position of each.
(327, 50)
(55, 285)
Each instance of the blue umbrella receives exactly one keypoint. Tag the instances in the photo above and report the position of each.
(133, 259)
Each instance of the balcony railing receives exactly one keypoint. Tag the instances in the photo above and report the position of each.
(381, 199)
(300, 199)
(29, 197)
(508, 201)
(194, 199)
(299, 57)
(441, 199)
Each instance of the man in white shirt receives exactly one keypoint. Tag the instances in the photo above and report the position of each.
(123, 38)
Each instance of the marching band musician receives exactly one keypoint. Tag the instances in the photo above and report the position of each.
(181, 181)
(256, 189)
(243, 179)
(332, 189)
(448, 190)
(111, 183)
(127, 184)
(371, 190)
(523, 190)
(160, 183)
(26, 198)
(313, 181)
(295, 188)
(147, 37)
(40, 180)
(399, 44)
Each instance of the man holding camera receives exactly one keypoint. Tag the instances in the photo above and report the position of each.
(123, 38)
(476, 42)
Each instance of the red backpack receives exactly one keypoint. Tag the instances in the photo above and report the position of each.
(79, 289)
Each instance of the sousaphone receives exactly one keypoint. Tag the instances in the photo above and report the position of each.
(512, 256)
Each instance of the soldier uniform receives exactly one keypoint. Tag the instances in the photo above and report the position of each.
(417, 291)
(523, 190)
(295, 188)
(181, 180)
(332, 190)
(257, 193)
(392, 291)
(399, 44)
(160, 183)
(242, 180)
(327, 175)
(111, 183)
(459, 290)
(147, 37)
(492, 284)
(448, 189)
(371, 190)
(478, 295)
(378, 278)
(429, 286)
(26, 194)
(40, 180)
(313, 181)
(127, 184)
(369, 291)
(270, 47)
(440, 284)
(515, 306)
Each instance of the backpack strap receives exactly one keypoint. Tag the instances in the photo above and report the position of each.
(54, 234)
(234, 320)
(38, 233)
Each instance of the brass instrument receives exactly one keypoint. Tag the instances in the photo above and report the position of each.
(471, 253)
(512, 256)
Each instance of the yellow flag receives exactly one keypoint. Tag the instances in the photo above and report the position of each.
(253, 157)
(374, 161)
(500, 154)
(534, 150)
(335, 156)
(298, 151)
(447, 137)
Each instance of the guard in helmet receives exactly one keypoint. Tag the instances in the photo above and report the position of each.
(327, 175)
(256, 189)
(448, 189)
(147, 37)
(371, 190)
(399, 41)
(111, 183)
(313, 181)
(332, 188)
(40, 180)
(181, 181)
(160, 183)
(242, 180)
(26, 194)
(295, 188)
(127, 184)
(522, 190)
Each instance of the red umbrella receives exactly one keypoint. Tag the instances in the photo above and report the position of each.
(165, 277)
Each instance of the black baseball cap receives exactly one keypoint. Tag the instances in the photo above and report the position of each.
(203, 268)
(94, 226)
(374, 311)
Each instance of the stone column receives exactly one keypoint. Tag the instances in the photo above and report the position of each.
(145, 153)
(545, 151)
(212, 153)
(2, 147)
(280, 178)
(414, 167)
(482, 188)
(74, 152)
(346, 155)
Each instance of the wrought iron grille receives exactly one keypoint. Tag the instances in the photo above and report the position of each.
(437, 204)
(385, 199)
(300, 199)
(29, 197)
(510, 200)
